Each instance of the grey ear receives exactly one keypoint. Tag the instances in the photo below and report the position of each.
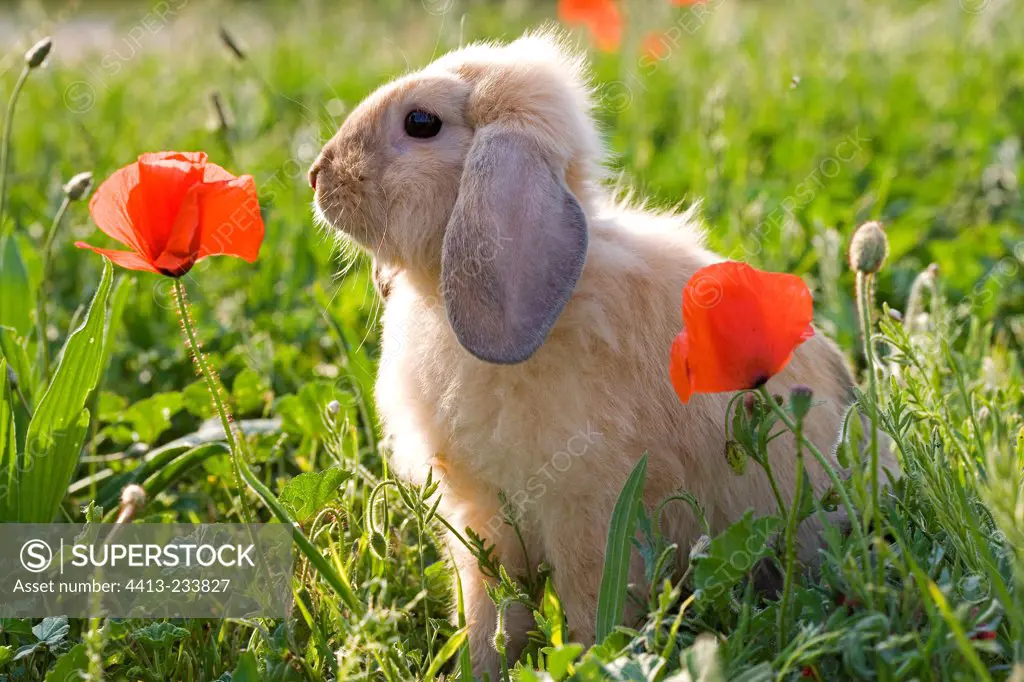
(513, 250)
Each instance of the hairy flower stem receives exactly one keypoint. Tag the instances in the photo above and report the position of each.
(865, 304)
(335, 578)
(44, 349)
(5, 144)
(792, 522)
(833, 477)
(500, 640)
(213, 387)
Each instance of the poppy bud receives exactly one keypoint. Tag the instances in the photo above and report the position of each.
(800, 401)
(133, 499)
(895, 315)
(869, 248)
(78, 186)
(926, 280)
(37, 54)
(700, 548)
(133, 495)
(736, 457)
(333, 407)
(229, 42)
(500, 640)
(379, 544)
(830, 500)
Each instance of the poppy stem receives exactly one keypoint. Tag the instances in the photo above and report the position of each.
(5, 144)
(41, 322)
(213, 388)
(830, 471)
(792, 521)
(865, 305)
(332, 572)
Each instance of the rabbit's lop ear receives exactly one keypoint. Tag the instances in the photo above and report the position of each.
(513, 250)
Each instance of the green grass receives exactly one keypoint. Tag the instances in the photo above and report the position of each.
(911, 113)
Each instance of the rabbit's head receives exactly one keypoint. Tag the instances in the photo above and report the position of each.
(476, 174)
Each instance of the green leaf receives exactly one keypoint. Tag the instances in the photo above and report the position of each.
(197, 400)
(612, 599)
(26, 651)
(250, 392)
(6, 654)
(160, 633)
(247, 669)
(465, 666)
(51, 631)
(110, 406)
(19, 627)
(15, 349)
(69, 665)
(8, 446)
(17, 298)
(551, 605)
(560, 658)
(302, 414)
(308, 493)
(445, 654)
(57, 430)
(732, 554)
(152, 416)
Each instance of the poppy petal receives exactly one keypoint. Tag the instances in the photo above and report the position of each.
(109, 207)
(655, 45)
(164, 182)
(126, 259)
(192, 158)
(601, 17)
(214, 173)
(678, 367)
(743, 325)
(184, 246)
(230, 219)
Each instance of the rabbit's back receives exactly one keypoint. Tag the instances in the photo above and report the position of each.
(569, 424)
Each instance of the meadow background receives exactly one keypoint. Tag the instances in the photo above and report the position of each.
(791, 123)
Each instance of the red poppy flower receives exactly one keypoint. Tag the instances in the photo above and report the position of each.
(740, 328)
(173, 209)
(601, 17)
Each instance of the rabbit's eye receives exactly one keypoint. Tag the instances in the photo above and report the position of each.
(422, 124)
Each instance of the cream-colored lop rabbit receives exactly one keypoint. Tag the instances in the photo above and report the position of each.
(528, 322)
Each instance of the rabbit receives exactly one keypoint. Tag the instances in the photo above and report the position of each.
(527, 325)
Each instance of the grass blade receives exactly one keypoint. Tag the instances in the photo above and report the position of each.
(445, 654)
(612, 599)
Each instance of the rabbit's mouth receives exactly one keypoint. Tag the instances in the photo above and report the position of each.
(343, 204)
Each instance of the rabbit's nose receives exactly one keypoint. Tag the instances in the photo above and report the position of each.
(314, 170)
